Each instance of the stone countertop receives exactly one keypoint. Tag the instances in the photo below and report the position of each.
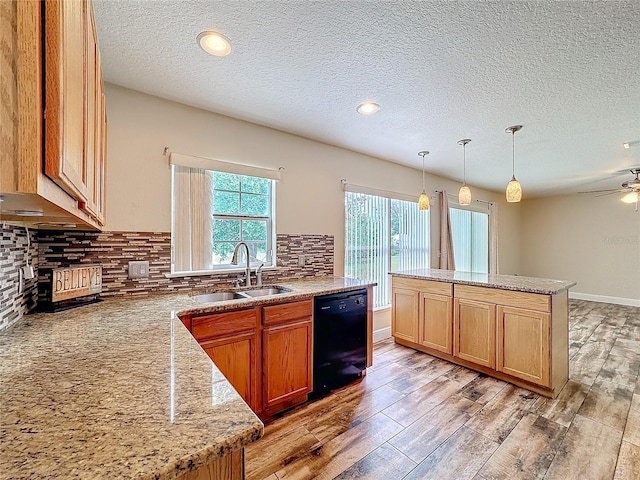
(506, 282)
(120, 389)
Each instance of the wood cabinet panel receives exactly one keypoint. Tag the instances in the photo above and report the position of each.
(474, 332)
(286, 312)
(287, 362)
(435, 328)
(228, 467)
(236, 357)
(533, 301)
(427, 286)
(404, 314)
(523, 344)
(225, 323)
(65, 23)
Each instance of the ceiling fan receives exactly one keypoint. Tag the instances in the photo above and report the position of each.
(632, 189)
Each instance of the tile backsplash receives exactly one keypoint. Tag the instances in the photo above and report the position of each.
(15, 303)
(113, 250)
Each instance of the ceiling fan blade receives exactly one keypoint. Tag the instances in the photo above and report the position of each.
(610, 193)
(611, 190)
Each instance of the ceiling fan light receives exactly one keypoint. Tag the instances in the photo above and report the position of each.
(464, 195)
(631, 197)
(514, 191)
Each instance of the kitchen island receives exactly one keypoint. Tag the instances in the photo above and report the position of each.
(510, 327)
(121, 389)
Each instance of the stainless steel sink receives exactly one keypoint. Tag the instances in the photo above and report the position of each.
(261, 292)
(218, 297)
(222, 296)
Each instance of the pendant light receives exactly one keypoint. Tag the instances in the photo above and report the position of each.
(514, 190)
(423, 199)
(464, 195)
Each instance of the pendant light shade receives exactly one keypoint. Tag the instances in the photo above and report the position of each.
(514, 189)
(464, 195)
(423, 199)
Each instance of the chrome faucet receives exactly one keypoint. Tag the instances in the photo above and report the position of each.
(234, 261)
(259, 275)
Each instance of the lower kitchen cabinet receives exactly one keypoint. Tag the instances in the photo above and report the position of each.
(287, 354)
(231, 341)
(265, 353)
(287, 362)
(474, 332)
(523, 347)
(517, 336)
(404, 316)
(236, 357)
(434, 327)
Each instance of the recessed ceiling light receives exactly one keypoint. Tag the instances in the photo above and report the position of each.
(625, 145)
(367, 108)
(214, 43)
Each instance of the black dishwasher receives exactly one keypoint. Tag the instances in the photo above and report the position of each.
(339, 339)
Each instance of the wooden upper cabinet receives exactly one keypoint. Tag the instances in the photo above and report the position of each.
(404, 314)
(474, 332)
(523, 344)
(74, 130)
(435, 329)
(65, 90)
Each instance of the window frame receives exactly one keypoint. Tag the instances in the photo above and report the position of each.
(270, 219)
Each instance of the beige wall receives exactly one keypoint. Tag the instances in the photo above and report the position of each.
(309, 196)
(592, 240)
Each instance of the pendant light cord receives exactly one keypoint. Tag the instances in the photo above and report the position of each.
(464, 163)
(423, 172)
(513, 154)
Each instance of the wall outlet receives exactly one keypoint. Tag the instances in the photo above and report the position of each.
(301, 260)
(139, 269)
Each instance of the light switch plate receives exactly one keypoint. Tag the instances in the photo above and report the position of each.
(139, 269)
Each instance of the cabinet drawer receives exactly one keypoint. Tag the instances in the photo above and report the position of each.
(426, 286)
(287, 312)
(220, 324)
(533, 301)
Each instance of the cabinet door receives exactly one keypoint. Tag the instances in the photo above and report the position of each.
(94, 98)
(474, 332)
(523, 344)
(436, 322)
(404, 314)
(65, 89)
(287, 362)
(236, 357)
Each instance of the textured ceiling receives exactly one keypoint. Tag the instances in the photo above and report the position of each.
(440, 70)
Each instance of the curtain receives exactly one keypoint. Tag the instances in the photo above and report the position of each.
(446, 244)
(193, 226)
(493, 238)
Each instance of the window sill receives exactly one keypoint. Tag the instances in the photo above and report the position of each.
(199, 273)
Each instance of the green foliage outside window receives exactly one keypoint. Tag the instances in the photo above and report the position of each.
(241, 211)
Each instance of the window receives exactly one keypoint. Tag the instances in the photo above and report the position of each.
(470, 237)
(383, 234)
(212, 211)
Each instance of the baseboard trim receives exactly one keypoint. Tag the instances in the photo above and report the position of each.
(630, 302)
(381, 334)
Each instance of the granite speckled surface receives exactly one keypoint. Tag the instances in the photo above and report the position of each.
(505, 282)
(120, 389)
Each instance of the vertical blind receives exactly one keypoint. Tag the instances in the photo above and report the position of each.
(470, 234)
(382, 235)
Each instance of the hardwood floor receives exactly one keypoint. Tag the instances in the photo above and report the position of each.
(417, 417)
